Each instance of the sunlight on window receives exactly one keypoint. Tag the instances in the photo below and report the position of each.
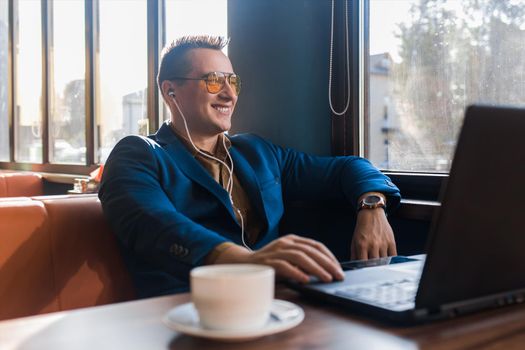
(4, 121)
(28, 65)
(428, 61)
(195, 17)
(122, 78)
(191, 17)
(67, 100)
(120, 72)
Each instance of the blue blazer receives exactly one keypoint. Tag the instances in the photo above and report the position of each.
(169, 213)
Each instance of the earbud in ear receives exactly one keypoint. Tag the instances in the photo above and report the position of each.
(171, 93)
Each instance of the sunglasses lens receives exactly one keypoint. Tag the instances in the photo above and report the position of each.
(215, 82)
(235, 82)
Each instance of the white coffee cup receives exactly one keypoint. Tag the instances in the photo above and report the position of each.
(232, 296)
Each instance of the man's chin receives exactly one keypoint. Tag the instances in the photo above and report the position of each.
(224, 128)
(217, 131)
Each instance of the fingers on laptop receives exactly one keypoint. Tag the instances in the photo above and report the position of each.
(363, 252)
(298, 257)
(392, 250)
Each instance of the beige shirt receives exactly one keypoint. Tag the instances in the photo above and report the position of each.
(253, 224)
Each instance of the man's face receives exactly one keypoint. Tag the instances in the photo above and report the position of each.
(206, 114)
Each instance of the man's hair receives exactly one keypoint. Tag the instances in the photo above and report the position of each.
(173, 62)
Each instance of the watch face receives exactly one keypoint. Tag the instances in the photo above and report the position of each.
(371, 200)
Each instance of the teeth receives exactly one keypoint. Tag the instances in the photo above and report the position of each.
(222, 109)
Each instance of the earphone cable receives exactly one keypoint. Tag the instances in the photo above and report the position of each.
(229, 186)
(331, 61)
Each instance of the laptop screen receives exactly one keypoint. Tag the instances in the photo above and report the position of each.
(477, 239)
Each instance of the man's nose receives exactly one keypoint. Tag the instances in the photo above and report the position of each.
(227, 91)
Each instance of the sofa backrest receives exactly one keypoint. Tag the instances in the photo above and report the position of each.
(59, 255)
(21, 184)
(26, 280)
(88, 267)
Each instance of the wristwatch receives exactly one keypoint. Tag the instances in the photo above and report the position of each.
(372, 201)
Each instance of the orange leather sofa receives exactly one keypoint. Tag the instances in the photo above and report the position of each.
(57, 253)
(21, 184)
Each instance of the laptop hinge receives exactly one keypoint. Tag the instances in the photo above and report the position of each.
(493, 300)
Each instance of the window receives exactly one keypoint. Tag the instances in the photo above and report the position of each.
(181, 18)
(121, 99)
(429, 60)
(28, 85)
(180, 21)
(81, 72)
(67, 113)
(4, 73)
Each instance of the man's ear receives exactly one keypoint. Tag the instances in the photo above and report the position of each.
(166, 87)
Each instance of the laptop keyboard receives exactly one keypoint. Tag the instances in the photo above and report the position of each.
(398, 294)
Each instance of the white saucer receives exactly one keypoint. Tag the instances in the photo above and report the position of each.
(184, 319)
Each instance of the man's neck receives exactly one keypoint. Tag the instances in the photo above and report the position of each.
(205, 143)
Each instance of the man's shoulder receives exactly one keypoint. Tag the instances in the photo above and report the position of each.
(254, 147)
(249, 139)
(136, 141)
(135, 148)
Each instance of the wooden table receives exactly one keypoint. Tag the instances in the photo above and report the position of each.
(137, 325)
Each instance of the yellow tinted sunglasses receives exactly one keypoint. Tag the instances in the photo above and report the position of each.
(215, 81)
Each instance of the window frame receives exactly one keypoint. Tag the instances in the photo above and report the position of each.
(413, 185)
(155, 36)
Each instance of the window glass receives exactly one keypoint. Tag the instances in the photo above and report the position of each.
(121, 96)
(67, 115)
(4, 121)
(429, 60)
(196, 17)
(28, 81)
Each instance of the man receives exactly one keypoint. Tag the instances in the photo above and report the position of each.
(190, 195)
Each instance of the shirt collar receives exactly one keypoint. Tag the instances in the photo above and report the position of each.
(219, 151)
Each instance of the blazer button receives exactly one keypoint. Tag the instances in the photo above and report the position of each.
(174, 249)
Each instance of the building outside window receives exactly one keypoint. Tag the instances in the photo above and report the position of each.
(121, 68)
(430, 59)
(119, 73)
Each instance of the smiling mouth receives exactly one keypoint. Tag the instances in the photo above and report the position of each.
(222, 109)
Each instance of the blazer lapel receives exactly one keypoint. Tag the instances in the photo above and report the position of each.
(250, 184)
(190, 166)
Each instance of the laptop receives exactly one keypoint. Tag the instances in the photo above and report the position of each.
(475, 251)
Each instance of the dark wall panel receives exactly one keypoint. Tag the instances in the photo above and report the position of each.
(281, 50)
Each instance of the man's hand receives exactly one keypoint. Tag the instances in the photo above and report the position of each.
(373, 236)
(291, 256)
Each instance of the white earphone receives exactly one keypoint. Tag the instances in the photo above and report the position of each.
(229, 185)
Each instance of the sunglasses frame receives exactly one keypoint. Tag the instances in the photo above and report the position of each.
(225, 76)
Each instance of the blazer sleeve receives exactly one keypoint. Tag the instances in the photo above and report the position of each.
(307, 177)
(140, 212)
